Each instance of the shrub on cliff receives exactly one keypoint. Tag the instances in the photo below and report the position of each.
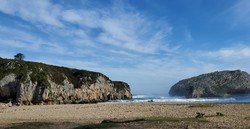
(19, 56)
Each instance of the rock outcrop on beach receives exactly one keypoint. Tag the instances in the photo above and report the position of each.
(216, 84)
(36, 83)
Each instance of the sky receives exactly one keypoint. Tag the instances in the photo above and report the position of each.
(150, 44)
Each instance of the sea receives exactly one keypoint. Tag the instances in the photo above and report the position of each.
(162, 98)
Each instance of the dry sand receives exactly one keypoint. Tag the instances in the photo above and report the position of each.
(236, 115)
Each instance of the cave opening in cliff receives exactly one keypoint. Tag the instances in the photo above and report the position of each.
(8, 93)
(37, 95)
(109, 97)
(5, 99)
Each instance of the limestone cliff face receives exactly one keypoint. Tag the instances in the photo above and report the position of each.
(216, 84)
(36, 83)
(122, 90)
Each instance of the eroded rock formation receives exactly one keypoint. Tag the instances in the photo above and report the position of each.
(37, 83)
(216, 84)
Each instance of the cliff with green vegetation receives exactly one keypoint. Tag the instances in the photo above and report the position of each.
(37, 83)
(216, 84)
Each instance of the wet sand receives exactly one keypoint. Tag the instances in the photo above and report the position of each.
(235, 115)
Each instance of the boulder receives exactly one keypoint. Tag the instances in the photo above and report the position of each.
(216, 84)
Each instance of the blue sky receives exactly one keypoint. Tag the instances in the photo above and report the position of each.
(150, 44)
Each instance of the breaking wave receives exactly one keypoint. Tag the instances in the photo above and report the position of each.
(157, 98)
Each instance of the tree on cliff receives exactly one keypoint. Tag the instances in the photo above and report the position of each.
(19, 56)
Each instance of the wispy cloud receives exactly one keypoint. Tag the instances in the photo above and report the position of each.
(88, 18)
(239, 13)
(133, 31)
(15, 38)
(118, 26)
(34, 11)
(188, 35)
(230, 53)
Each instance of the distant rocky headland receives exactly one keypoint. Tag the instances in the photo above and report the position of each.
(27, 83)
(216, 84)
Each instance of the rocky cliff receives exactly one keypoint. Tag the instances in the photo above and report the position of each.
(216, 84)
(36, 83)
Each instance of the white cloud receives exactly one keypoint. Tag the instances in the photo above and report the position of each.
(108, 39)
(120, 26)
(17, 38)
(232, 53)
(88, 18)
(133, 31)
(121, 52)
(72, 16)
(41, 11)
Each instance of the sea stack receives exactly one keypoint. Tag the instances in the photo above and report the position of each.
(29, 83)
(216, 84)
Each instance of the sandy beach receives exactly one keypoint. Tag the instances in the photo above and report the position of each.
(234, 115)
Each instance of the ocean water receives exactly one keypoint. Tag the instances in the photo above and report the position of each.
(160, 98)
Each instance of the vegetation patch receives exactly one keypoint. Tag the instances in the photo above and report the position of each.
(219, 114)
(116, 123)
(202, 115)
(30, 125)
(199, 115)
(201, 106)
(174, 119)
(168, 119)
(40, 73)
(122, 120)
(98, 126)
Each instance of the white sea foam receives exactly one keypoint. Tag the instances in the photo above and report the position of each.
(152, 98)
(139, 96)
